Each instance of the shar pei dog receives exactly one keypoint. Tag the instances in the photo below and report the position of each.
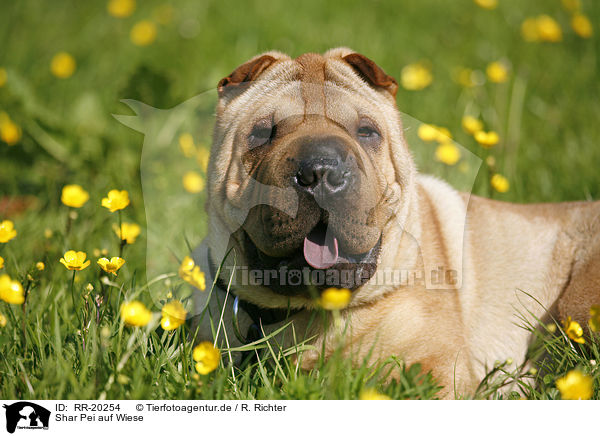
(311, 185)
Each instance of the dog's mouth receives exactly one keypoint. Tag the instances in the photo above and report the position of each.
(317, 264)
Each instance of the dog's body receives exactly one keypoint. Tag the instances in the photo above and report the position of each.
(330, 154)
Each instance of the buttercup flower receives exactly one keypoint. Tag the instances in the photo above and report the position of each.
(372, 394)
(202, 158)
(487, 4)
(2, 320)
(75, 260)
(548, 29)
(74, 196)
(471, 125)
(11, 291)
(143, 33)
(7, 231)
(497, 72)
(582, 26)
(40, 266)
(186, 144)
(486, 139)
(116, 200)
(130, 232)
(500, 183)
(541, 28)
(207, 357)
(120, 8)
(415, 77)
(447, 153)
(594, 321)
(193, 182)
(63, 65)
(1, 262)
(573, 330)
(575, 386)
(111, 266)
(192, 274)
(429, 132)
(335, 298)
(3, 76)
(135, 314)
(9, 131)
(173, 315)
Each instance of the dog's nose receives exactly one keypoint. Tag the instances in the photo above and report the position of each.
(322, 169)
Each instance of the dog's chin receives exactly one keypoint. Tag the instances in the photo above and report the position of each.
(294, 276)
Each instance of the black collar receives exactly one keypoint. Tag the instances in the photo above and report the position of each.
(260, 316)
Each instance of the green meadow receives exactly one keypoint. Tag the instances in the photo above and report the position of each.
(527, 71)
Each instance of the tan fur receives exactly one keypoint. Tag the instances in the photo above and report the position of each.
(500, 252)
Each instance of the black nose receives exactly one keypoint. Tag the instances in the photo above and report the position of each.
(322, 168)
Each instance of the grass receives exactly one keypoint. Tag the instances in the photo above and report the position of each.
(545, 115)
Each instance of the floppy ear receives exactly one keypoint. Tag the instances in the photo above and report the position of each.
(371, 72)
(244, 73)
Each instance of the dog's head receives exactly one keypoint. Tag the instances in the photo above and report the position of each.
(307, 169)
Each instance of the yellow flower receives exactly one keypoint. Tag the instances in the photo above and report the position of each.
(75, 260)
(143, 33)
(74, 196)
(497, 72)
(571, 5)
(372, 394)
(173, 315)
(415, 77)
(207, 357)
(11, 291)
(116, 200)
(40, 266)
(541, 28)
(2, 320)
(111, 266)
(192, 274)
(121, 8)
(7, 231)
(130, 232)
(193, 182)
(487, 4)
(582, 26)
(48, 233)
(575, 386)
(202, 158)
(62, 65)
(135, 314)
(429, 132)
(471, 124)
(186, 144)
(447, 153)
(3, 76)
(1, 262)
(500, 183)
(486, 139)
(9, 131)
(594, 321)
(573, 330)
(335, 298)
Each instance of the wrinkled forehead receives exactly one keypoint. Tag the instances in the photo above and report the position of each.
(309, 86)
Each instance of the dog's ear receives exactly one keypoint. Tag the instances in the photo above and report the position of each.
(245, 73)
(371, 72)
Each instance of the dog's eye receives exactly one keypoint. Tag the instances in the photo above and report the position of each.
(367, 132)
(262, 133)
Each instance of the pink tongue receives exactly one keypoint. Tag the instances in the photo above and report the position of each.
(320, 250)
